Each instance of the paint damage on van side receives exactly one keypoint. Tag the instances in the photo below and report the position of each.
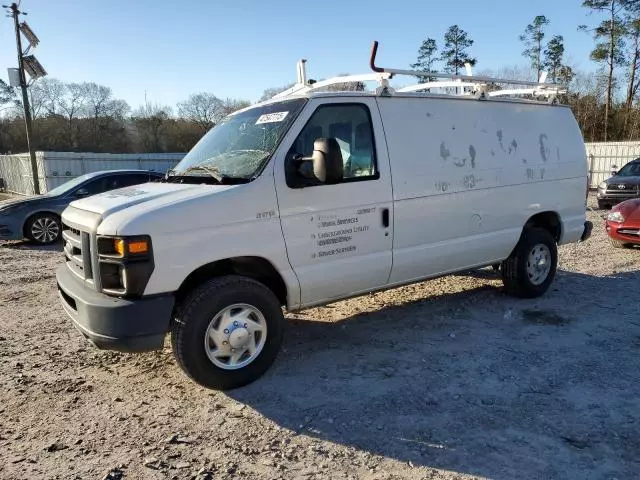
(445, 153)
(544, 150)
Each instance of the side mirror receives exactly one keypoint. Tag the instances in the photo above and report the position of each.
(81, 192)
(327, 160)
(614, 170)
(323, 166)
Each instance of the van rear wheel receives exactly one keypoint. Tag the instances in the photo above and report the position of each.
(531, 267)
(227, 332)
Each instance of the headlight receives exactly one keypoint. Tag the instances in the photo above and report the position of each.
(615, 217)
(603, 186)
(126, 264)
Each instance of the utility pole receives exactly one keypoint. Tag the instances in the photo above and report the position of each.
(13, 8)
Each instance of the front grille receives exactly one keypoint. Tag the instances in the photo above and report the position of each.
(77, 249)
(629, 231)
(614, 190)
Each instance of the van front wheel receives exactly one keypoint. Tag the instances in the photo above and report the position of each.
(531, 267)
(227, 332)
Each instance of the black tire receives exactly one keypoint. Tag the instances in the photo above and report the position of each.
(515, 271)
(43, 228)
(198, 310)
(618, 243)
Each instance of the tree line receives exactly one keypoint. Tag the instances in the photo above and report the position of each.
(605, 104)
(86, 117)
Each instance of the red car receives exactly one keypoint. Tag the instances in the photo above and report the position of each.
(623, 224)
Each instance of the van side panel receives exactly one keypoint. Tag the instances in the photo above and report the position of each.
(468, 174)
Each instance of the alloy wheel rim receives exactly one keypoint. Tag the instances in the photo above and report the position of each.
(45, 230)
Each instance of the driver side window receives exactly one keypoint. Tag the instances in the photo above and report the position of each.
(350, 125)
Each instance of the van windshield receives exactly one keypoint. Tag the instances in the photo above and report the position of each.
(237, 148)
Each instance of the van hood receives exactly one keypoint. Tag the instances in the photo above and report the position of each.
(113, 201)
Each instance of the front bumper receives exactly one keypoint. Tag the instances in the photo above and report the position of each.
(10, 228)
(615, 198)
(114, 323)
(588, 228)
(623, 233)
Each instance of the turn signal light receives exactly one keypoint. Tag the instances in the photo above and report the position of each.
(138, 246)
(131, 247)
(119, 247)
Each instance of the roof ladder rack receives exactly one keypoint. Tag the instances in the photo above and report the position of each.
(479, 86)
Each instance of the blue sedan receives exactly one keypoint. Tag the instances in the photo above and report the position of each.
(38, 218)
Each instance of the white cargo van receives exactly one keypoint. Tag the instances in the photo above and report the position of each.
(317, 196)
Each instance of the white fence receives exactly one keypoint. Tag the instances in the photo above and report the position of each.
(55, 168)
(603, 156)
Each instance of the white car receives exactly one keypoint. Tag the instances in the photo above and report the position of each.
(314, 197)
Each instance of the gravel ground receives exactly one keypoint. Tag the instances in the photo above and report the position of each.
(446, 379)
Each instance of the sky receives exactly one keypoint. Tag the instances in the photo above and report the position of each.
(238, 48)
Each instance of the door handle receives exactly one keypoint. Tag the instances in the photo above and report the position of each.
(385, 217)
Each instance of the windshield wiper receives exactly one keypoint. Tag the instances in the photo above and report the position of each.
(212, 171)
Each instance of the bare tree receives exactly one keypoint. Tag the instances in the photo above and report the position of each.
(151, 122)
(37, 100)
(98, 105)
(204, 109)
(270, 92)
(231, 105)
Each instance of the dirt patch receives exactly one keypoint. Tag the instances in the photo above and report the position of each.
(446, 379)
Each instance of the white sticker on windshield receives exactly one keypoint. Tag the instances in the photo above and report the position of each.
(272, 117)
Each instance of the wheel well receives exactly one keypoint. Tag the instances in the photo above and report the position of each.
(41, 212)
(549, 221)
(257, 268)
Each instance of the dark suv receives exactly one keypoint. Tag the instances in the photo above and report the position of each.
(38, 218)
(623, 185)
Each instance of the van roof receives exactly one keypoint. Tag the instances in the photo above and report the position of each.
(369, 93)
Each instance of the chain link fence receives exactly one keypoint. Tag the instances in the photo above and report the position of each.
(56, 168)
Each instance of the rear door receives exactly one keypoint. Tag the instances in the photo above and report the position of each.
(338, 237)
